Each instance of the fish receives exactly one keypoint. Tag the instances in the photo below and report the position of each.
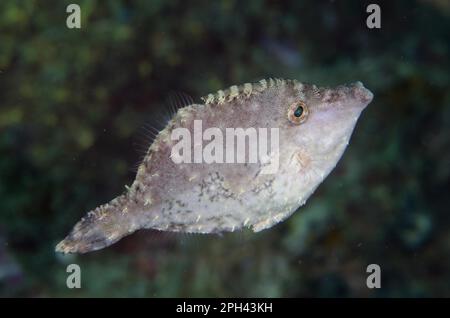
(245, 157)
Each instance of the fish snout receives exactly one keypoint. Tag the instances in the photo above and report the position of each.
(361, 93)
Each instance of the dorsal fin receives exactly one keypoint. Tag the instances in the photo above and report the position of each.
(244, 91)
(177, 100)
(161, 117)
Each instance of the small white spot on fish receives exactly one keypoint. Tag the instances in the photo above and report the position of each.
(248, 89)
(209, 99)
(101, 215)
(278, 217)
(220, 97)
(263, 83)
(234, 92)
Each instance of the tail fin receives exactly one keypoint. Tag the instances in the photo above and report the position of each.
(99, 228)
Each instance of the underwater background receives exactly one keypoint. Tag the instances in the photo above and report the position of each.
(74, 104)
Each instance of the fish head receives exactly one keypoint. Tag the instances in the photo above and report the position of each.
(320, 122)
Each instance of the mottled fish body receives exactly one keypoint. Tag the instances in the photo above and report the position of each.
(200, 186)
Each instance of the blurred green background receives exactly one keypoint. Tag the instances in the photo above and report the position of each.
(73, 103)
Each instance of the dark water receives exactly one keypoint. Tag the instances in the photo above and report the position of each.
(73, 101)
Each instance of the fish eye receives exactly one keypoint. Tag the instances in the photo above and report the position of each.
(297, 113)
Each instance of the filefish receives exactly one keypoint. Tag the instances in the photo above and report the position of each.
(307, 129)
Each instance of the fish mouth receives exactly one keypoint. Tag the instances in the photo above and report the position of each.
(353, 95)
(361, 93)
